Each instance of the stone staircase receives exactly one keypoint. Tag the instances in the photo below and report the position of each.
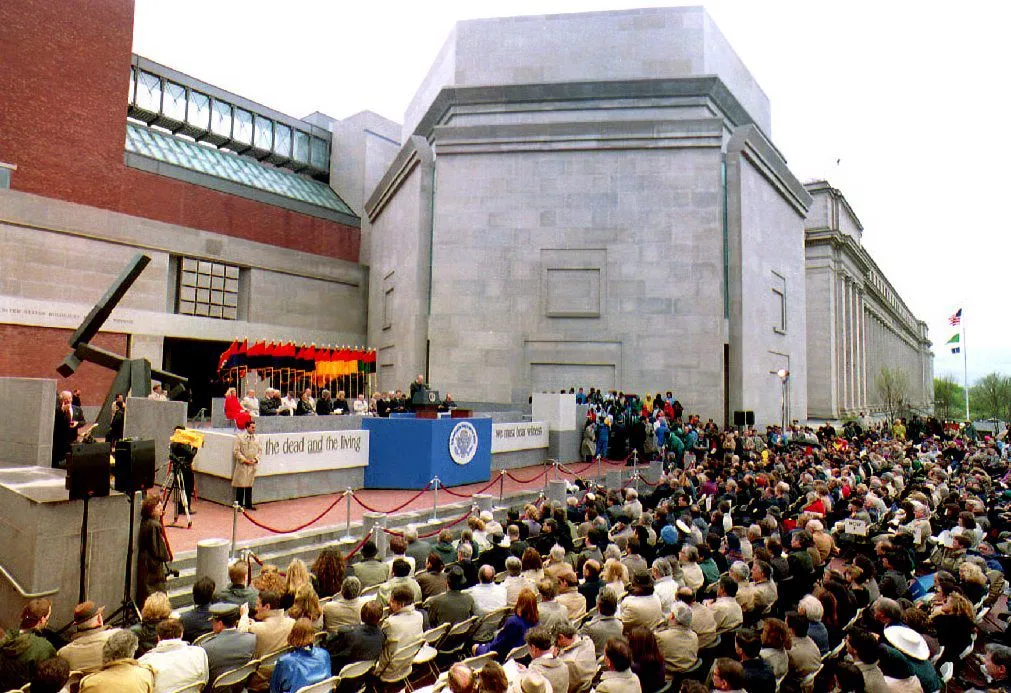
(306, 544)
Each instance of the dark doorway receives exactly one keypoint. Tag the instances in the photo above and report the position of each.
(197, 360)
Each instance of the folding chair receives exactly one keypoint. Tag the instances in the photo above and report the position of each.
(518, 653)
(235, 677)
(204, 638)
(807, 683)
(476, 663)
(329, 684)
(428, 652)
(351, 673)
(455, 640)
(404, 653)
(484, 629)
(192, 688)
(834, 652)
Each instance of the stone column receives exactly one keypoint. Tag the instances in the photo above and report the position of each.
(484, 501)
(840, 341)
(376, 521)
(844, 360)
(556, 491)
(212, 559)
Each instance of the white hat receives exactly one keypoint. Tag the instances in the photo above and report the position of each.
(680, 524)
(907, 641)
(486, 516)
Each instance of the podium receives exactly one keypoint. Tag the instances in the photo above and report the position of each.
(406, 452)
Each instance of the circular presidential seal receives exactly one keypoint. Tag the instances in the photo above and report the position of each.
(463, 442)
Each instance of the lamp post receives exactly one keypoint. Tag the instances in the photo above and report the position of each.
(784, 377)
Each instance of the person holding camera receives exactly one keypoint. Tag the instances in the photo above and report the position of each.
(153, 552)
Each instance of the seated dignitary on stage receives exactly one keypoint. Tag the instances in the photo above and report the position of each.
(251, 403)
(324, 405)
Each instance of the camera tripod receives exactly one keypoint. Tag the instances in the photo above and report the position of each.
(174, 488)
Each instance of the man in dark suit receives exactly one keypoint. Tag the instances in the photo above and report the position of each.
(229, 648)
(197, 620)
(361, 643)
(69, 419)
(418, 549)
(455, 605)
(498, 553)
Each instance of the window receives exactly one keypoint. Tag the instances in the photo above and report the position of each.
(388, 309)
(208, 289)
(778, 303)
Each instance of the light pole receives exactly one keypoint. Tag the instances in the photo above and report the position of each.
(784, 377)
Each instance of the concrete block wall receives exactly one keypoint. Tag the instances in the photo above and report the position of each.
(26, 428)
(152, 419)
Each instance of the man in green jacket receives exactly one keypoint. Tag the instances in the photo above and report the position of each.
(22, 649)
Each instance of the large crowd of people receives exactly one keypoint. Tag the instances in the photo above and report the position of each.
(870, 558)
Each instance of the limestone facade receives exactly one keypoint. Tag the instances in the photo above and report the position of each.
(857, 324)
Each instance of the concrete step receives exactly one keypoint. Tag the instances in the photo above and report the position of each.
(306, 544)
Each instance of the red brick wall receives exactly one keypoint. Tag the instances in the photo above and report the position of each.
(35, 352)
(65, 83)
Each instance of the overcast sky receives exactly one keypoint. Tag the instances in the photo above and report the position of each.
(906, 98)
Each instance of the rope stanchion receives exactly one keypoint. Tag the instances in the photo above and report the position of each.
(403, 505)
(357, 547)
(313, 521)
(526, 481)
(472, 493)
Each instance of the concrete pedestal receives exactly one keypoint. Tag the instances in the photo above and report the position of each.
(556, 491)
(377, 522)
(484, 501)
(26, 428)
(212, 560)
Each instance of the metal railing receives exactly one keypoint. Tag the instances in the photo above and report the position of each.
(21, 590)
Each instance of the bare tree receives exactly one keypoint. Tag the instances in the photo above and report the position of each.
(893, 389)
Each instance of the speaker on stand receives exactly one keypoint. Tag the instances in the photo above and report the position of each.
(88, 469)
(135, 463)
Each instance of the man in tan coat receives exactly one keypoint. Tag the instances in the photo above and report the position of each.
(578, 654)
(403, 625)
(679, 644)
(246, 453)
(84, 653)
(120, 671)
(271, 629)
(618, 676)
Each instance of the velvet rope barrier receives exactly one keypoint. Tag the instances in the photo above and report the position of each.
(403, 505)
(574, 472)
(357, 547)
(434, 532)
(525, 481)
(300, 527)
(468, 495)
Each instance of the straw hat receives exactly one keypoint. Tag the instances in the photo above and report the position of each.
(907, 641)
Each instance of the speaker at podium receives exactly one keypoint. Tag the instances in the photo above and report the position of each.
(425, 397)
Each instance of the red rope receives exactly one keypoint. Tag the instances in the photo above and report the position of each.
(434, 532)
(473, 493)
(574, 472)
(300, 527)
(403, 505)
(526, 481)
(647, 481)
(358, 546)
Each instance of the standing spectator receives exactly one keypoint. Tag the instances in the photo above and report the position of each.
(246, 452)
(152, 550)
(176, 664)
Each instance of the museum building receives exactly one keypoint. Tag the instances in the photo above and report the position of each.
(586, 199)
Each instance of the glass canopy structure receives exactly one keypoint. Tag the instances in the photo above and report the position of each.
(169, 99)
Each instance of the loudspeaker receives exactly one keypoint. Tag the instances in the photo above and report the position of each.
(749, 418)
(135, 462)
(88, 470)
(738, 418)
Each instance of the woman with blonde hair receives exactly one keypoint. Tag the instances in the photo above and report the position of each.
(306, 664)
(296, 576)
(269, 579)
(615, 576)
(972, 580)
(307, 606)
(954, 625)
(156, 609)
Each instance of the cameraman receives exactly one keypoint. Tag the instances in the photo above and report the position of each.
(181, 455)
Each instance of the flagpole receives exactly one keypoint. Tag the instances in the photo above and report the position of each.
(965, 370)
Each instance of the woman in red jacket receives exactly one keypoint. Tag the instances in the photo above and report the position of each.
(234, 410)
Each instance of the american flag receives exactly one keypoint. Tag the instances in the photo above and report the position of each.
(956, 318)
